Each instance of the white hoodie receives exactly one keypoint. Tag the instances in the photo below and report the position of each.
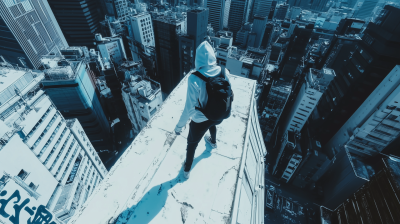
(206, 64)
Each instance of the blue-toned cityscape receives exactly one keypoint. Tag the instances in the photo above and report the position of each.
(200, 111)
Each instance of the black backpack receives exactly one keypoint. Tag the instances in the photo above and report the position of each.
(220, 97)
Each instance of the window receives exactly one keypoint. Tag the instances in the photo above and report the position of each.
(304, 110)
(368, 39)
(61, 151)
(39, 123)
(45, 131)
(55, 146)
(33, 186)
(298, 118)
(22, 174)
(301, 114)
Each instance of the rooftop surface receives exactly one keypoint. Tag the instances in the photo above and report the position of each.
(146, 184)
(9, 76)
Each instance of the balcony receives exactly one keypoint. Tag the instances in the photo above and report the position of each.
(21, 183)
(146, 185)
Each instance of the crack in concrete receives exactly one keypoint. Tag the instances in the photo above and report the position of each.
(226, 172)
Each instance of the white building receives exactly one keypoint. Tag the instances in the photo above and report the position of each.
(222, 44)
(142, 29)
(226, 184)
(50, 158)
(308, 97)
(142, 98)
(111, 49)
(124, 9)
(249, 64)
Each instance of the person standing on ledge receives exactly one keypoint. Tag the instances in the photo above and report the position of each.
(208, 102)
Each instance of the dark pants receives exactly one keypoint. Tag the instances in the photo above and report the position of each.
(196, 132)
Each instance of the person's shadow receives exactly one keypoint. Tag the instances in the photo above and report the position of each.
(154, 200)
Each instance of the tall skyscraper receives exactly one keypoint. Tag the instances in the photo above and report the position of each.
(315, 84)
(70, 85)
(365, 10)
(142, 43)
(196, 32)
(276, 100)
(259, 24)
(239, 12)
(319, 5)
(288, 157)
(197, 21)
(79, 20)
(281, 11)
(375, 56)
(373, 126)
(218, 13)
(166, 32)
(28, 30)
(294, 53)
(44, 157)
(124, 9)
(261, 8)
(375, 202)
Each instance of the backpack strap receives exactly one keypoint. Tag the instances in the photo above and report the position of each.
(201, 76)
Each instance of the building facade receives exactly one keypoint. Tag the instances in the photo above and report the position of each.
(167, 31)
(79, 20)
(44, 154)
(142, 98)
(288, 157)
(375, 56)
(28, 30)
(218, 11)
(311, 91)
(70, 85)
(238, 15)
(277, 97)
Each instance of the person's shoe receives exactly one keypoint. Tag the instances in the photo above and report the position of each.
(185, 174)
(208, 140)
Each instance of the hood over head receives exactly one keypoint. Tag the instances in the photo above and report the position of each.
(206, 62)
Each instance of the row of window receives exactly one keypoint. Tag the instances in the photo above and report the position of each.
(55, 146)
(61, 151)
(50, 139)
(37, 125)
(70, 161)
(66, 156)
(45, 130)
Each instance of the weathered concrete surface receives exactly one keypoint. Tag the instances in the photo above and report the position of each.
(146, 185)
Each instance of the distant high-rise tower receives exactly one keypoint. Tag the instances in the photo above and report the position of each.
(261, 8)
(320, 5)
(365, 10)
(70, 86)
(123, 9)
(79, 20)
(218, 11)
(238, 15)
(166, 34)
(281, 11)
(374, 57)
(196, 32)
(28, 30)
